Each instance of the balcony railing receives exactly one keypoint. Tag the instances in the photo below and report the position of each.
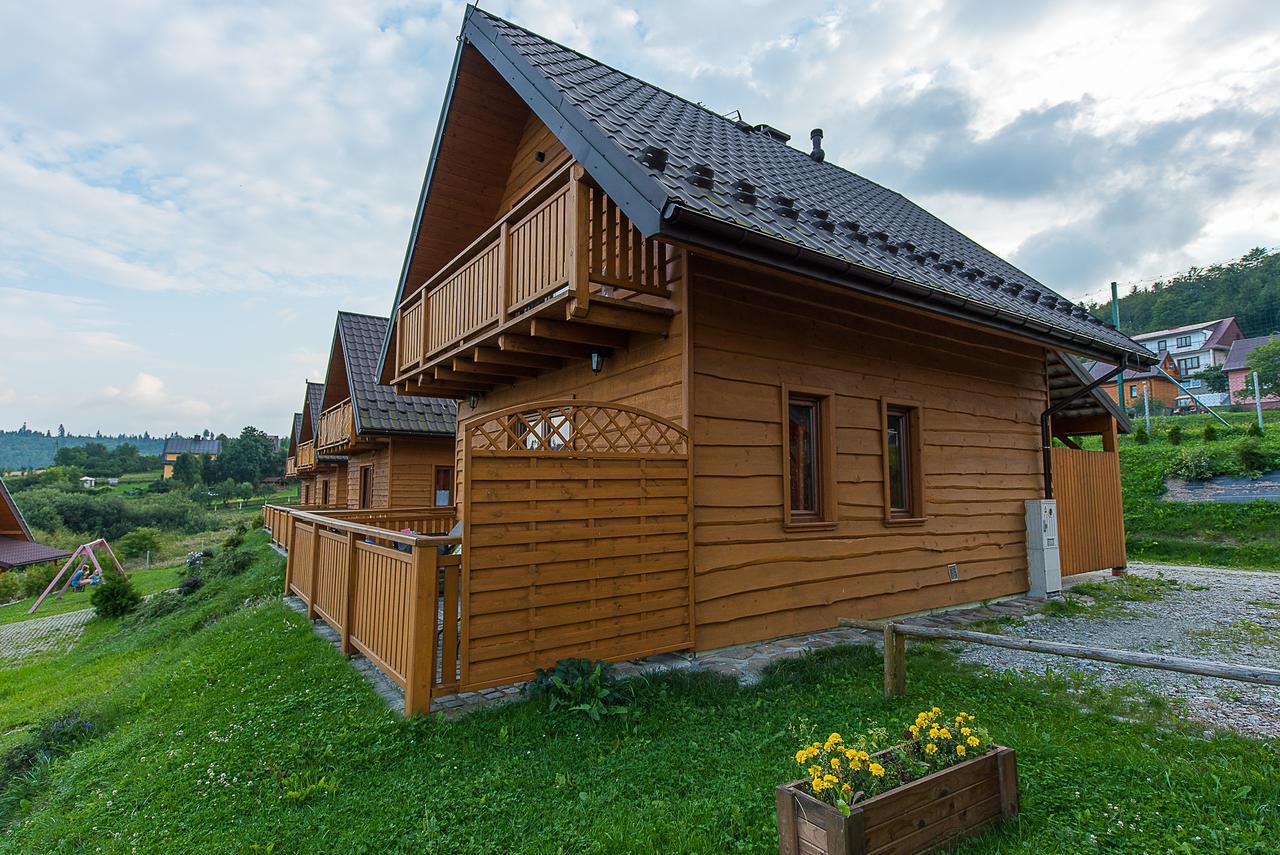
(307, 456)
(565, 249)
(337, 428)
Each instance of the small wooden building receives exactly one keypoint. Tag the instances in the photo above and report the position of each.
(291, 452)
(1159, 390)
(712, 388)
(176, 446)
(306, 464)
(17, 546)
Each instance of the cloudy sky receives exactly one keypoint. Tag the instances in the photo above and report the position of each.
(188, 192)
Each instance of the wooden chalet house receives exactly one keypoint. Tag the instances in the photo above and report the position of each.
(307, 466)
(291, 458)
(712, 389)
(176, 446)
(18, 548)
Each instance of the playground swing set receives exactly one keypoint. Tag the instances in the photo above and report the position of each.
(83, 558)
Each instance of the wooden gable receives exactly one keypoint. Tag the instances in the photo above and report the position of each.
(11, 522)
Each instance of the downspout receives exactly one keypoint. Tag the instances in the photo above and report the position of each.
(1046, 441)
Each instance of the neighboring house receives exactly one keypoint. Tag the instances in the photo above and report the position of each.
(1160, 390)
(714, 389)
(17, 547)
(1239, 379)
(176, 446)
(317, 484)
(1194, 348)
(395, 450)
(88, 482)
(291, 455)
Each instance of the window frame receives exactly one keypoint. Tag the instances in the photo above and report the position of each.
(435, 483)
(1162, 345)
(1185, 367)
(825, 516)
(1183, 341)
(914, 513)
(324, 492)
(365, 499)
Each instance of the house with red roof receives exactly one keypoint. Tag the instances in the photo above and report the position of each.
(1239, 380)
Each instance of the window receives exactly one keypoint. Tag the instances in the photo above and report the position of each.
(444, 486)
(1133, 391)
(552, 432)
(1184, 341)
(809, 458)
(366, 486)
(324, 492)
(1162, 345)
(1192, 384)
(1188, 364)
(903, 485)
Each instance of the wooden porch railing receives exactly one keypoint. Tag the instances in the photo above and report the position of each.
(337, 427)
(566, 237)
(278, 520)
(307, 455)
(393, 597)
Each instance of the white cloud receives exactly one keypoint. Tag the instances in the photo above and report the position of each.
(147, 396)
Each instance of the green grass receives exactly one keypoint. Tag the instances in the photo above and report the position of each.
(1243, 535)
(146, 581)
(230, 726)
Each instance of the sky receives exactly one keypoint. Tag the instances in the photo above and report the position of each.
(190, 191)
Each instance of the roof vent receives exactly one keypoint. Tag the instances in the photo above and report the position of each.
(703, 175)
(786, 206)
(654, 157)
(745, 191)
(815, 136)
(771, 131)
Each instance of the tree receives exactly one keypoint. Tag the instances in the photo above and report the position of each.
(139, 542)
(62, 431)
(116, 596)
(249, 457)
(1265, 360)
(186, 470)
(1214, 378)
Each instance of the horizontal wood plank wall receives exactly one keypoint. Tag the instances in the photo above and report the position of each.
(1090, 510)
(412, 469)
(980, 398)
(527, 172)
(574, 557)
(380, 459)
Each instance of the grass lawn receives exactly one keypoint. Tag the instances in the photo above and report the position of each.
(229, 725)
(146, 581)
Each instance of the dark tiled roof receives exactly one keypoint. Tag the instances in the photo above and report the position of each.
(1242, 347)
(20, 553)
(761, 188)
(315, 403)
(378, 409)
(1218, 331)
(1101, 369)
(297, 427)
(183, 445)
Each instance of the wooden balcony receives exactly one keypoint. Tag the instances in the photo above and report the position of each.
(307, 456)
(290, 467)
(337, 428)
(563, 275)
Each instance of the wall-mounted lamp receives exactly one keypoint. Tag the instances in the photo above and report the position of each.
(597, 361)
(473, 400)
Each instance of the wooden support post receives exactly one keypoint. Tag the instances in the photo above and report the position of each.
(348, 605)
(313, 571)
(422, 634)
(895, 662)
(504, 272)
(579, 243)
(288, 568)
(1007, 769)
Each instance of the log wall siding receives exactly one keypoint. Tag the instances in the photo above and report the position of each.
(337, 481)
(412, 465)
(980, 398)
(380, 459)
(527, 172)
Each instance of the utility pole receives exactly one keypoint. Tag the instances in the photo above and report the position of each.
(1146, 405)
(1115, 324)
(1257, 398)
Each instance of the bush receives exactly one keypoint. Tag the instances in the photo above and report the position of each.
(579, 685)
(236, 539)
(116, 596)
(10, 587)
(1210, 433)
(35, 579)
(1194, 464)
(1175, 435)
(1253, 458)
(1254, 429)
(190, 585)
(227, 563)
(158, 605)
(139, 542)
(1140, 436)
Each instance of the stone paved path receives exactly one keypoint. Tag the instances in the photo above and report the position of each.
(29, 637)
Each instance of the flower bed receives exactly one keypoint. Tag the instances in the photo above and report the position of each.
(945, 782)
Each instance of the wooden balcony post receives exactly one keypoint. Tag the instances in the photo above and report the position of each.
(579, 242)
(422, 634)
(504, 272)
(288, 560)
(314, 571)
(348, 605)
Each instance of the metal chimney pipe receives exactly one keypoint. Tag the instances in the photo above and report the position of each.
(815, 136)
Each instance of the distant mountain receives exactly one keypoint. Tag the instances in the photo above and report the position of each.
(1248, 288)
(28, 449)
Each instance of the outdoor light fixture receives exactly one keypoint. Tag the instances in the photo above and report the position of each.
(473, 400)
(597, 361)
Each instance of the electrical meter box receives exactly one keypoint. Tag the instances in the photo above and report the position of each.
(1044, 570)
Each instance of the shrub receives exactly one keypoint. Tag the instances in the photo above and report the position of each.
(10, 587)
(158, 605)
(1210, 433)
(579, 685)
(227, 563)
(52, 737)
(139, 542)
(115, 597)
(1175, 435)
(1194, 464)
(1140, 436)
(236, 538)
(1253, 458)
(35, 579)
(190, 585)
(1254, 429)
(196, 560)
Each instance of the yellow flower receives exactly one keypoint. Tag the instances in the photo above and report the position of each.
(800, 755)
(846, 789)
(935, 710)
(851, 754)
(945, 733)
(815, 771)
(830, 779)
(915, 729)
(965, 731)
(931, 749)
(934, 733)
(960, 750)
(973, 741)
(876, 769)
(854, 765)
(835, 762)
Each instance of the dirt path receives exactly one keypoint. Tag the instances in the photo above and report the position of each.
(1221, 615)
(29, 637)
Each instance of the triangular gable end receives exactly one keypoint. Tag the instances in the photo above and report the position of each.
(311, 408)
(11, 522)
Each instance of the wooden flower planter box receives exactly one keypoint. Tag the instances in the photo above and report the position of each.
(921, 816)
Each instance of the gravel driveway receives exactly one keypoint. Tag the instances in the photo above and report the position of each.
(1221, 615)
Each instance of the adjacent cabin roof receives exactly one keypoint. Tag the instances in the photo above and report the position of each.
(183, 445)
(682, 171)
(1067, 375)
(312, 405)
(1101, 369)
(17, 548)
(1219, 332)
(294, 434)
(1242, 347)
(376, 407)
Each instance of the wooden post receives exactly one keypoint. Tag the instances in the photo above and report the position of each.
(895, 662)
(504, 272)
(353, 563)
(1008, 770)
(313, 571)
(579, 242)
(422, 635)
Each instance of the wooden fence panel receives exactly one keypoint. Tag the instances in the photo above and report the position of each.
(1090, 510)
(331, 578)
(380, 613)
(299, 565)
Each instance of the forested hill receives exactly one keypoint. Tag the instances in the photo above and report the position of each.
(26, 449)
(1248, 288)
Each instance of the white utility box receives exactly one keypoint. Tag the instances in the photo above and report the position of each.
(1044, 570)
